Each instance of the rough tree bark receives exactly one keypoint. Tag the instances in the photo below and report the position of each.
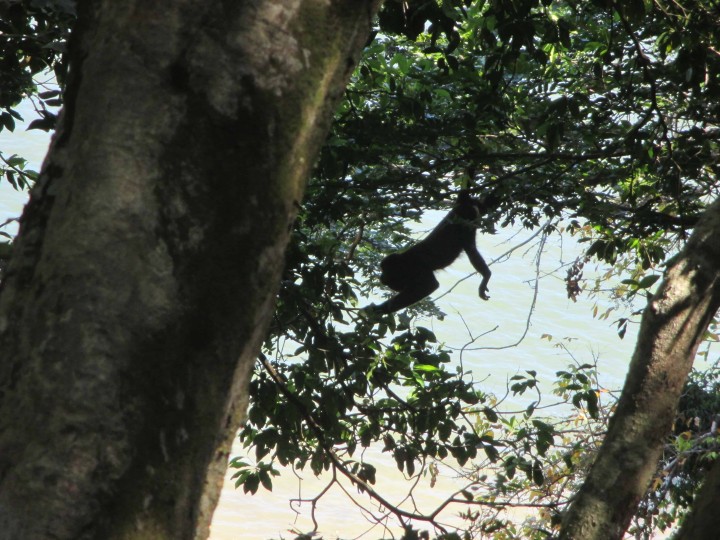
(149, 255)
(672, 327)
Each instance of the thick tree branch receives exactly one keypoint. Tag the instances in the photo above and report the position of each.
(672, 327)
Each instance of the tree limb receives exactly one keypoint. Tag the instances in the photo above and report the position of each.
(672, 328)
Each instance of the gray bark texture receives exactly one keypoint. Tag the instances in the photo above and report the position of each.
(150, 253)
(672, 327)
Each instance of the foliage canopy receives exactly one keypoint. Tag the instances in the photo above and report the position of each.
(600, 113)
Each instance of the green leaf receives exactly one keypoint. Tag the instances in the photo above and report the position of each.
(425, 368)
(265, 480)
(648, 281)
(490, 414)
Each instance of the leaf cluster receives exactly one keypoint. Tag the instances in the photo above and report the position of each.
(33, 40)
(583, 111)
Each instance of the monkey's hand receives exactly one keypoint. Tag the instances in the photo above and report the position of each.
(483, 291)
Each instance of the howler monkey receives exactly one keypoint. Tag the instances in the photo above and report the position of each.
(411, 272)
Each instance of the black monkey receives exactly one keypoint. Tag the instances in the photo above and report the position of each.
(411, 272)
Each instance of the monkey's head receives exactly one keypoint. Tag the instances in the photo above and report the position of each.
(488, 202)
(477, 209)
(467, 207)
(484, 203)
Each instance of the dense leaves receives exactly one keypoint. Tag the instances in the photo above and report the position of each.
(33, 37)
(534, 103)
(601, 114)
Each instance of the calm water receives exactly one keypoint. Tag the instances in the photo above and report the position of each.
(504, 317)
(500, 322)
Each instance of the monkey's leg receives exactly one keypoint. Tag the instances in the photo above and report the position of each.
(414, 291)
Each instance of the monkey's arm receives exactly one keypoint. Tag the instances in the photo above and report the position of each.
(481, 266)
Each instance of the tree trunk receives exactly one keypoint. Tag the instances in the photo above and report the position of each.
(673, 325)
(703, 522)
(150, 253)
